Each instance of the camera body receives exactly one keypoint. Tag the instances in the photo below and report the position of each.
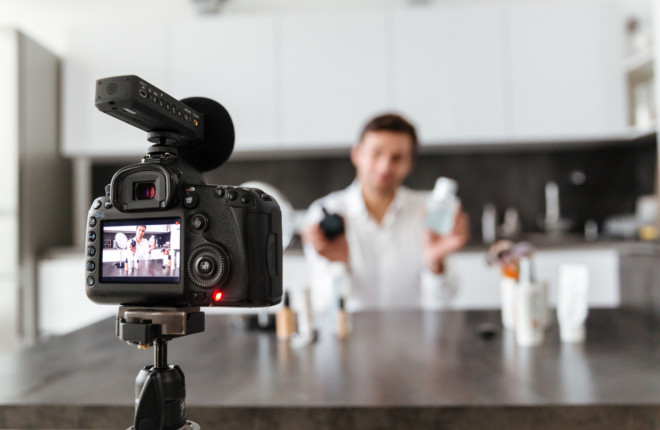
(162, 237)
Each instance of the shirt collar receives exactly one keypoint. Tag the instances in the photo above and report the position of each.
(356, 206)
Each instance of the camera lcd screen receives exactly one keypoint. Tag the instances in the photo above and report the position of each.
(141, 251)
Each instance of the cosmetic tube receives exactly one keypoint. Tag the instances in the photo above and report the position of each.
(572, 302)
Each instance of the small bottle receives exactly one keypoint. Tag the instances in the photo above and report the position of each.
(126, 265)
(169, 261)
(164, 261)
(130, 263)
(508, 287)
(137, 264)
(285, 320)
(343, 321)
(489, 224)
(531, 307)
(442, 205)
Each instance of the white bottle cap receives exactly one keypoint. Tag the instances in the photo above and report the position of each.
(444, 187)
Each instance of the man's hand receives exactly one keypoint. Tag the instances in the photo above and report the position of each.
(152, 246)
(437, 247)
(334, 250)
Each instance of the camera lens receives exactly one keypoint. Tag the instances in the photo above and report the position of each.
(145, 191)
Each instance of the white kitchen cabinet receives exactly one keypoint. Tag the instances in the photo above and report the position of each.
(473, 284)
(61, 282)
(477, 284)
(95, 52)
(479, 73)
(335, 75)
(9, 117)
(35, 182)
(231, 60)
(566, 70)
(450, 74)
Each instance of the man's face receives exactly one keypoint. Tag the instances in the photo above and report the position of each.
(383, 159)
(140, 232)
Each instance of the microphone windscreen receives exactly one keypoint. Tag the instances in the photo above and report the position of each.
(218, 142)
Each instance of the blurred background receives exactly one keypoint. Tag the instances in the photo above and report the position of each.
(536, 108)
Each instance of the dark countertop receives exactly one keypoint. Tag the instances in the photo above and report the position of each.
(407, 367)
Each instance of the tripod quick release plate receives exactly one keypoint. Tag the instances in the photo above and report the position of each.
(141, 326)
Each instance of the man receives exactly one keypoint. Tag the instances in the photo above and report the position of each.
(138, 246)
(387, 257)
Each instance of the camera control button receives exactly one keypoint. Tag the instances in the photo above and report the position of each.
(91, 266)
(190, 201)
(91, 236)
(245, 199)
(205, 266)
(97, 204)
(208, 266)
(90, 281)
(198, 298)
(266, 197)
(91, 251)
(198, 222)
(220, 192)
(232, 195)
(107, 204)
(92, 222)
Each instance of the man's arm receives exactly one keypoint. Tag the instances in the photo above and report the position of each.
(437, 248)
(335, 249)
(326, 259)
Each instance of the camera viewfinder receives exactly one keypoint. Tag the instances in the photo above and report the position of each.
(144, 191)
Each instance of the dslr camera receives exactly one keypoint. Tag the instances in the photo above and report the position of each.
(161, 236)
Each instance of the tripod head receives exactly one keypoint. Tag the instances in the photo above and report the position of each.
(160, 390)
(141, 326)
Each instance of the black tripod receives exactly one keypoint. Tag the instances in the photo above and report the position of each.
(160, 390)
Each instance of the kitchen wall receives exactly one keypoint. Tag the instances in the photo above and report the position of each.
(595, 180)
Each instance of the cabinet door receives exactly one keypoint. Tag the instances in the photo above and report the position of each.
(449, 73)
(567, 74)
(334, 76)
(9, 121)
(477, 284)
(100, 52)
(230, 60)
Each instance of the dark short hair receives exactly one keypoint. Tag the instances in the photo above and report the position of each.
(394, 123)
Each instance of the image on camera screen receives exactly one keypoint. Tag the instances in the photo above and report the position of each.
(145, 251)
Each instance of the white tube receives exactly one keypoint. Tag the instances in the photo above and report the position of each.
(572, 302)
(531, 311)
(508, 295)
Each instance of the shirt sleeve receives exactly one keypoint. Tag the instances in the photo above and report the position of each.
(327, 278)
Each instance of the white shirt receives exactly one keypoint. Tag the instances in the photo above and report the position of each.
(141, 248)
(386, 268)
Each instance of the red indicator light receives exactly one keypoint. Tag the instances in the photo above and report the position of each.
(217, 295)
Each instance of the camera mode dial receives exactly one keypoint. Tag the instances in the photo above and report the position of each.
(208, 266)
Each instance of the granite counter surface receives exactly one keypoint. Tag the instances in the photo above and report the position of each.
(397, 370)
